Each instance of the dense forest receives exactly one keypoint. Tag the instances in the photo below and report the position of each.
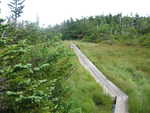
(131, 30)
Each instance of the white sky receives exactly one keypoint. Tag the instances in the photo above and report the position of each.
(55, 11)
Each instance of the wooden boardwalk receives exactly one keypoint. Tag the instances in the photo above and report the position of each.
(109, 88)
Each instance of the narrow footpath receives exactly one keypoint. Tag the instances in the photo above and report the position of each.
(121, 105)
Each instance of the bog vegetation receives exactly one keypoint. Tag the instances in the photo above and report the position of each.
(127, 67)
(121, 52)
(39, 74)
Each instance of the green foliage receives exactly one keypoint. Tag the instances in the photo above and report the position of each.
(101, 100)
(32, 77)
(2, 42)
(145, 40)
(102, 28)
(34, 67)
(3, 27)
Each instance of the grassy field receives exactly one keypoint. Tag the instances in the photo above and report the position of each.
(85, 95)
(126, 66)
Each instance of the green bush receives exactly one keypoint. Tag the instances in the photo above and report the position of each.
(32, 78)
(101, 99)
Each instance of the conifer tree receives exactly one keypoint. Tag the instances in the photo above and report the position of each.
(16, 7)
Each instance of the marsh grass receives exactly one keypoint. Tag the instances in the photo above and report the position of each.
(126, 66)
(85, 95)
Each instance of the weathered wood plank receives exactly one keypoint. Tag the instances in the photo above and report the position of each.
(109, 88)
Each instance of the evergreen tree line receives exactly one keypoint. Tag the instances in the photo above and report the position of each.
(127, 29)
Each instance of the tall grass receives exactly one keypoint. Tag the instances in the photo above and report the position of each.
(126, 66)
(85, 95)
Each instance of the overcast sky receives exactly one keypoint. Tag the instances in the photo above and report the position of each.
(55, 11)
